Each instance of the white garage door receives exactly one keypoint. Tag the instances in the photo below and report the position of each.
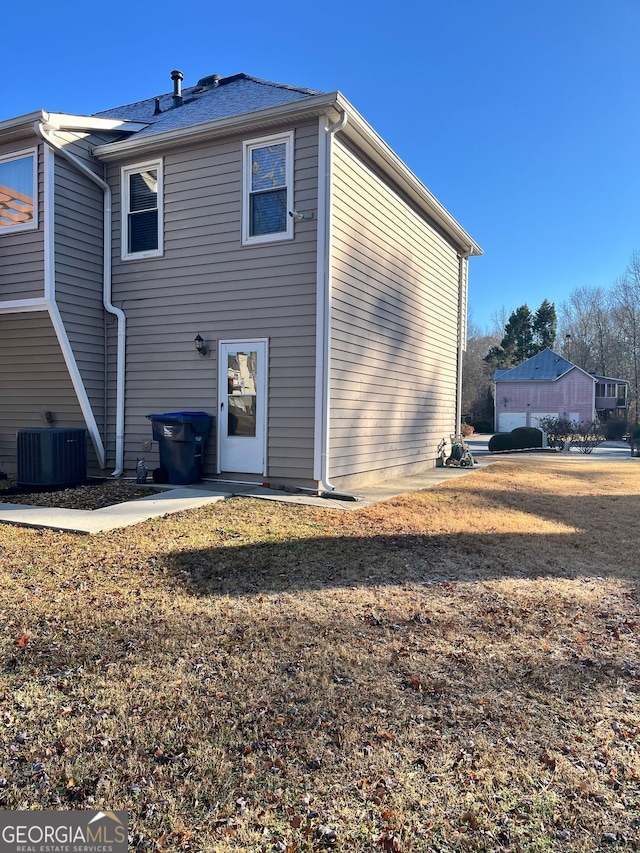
(510, 420)
(535, 417)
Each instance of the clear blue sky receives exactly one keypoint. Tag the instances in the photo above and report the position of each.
(523, 118)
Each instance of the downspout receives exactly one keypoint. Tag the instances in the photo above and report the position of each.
(323, 307)
(462, 288)
(51, 306)
(42, 132)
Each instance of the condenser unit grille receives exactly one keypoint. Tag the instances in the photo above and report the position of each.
(52, 457)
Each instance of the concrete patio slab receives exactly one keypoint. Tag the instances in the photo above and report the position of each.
(180, 498)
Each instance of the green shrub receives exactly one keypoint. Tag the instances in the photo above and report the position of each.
(526, 437)
(500, 441)
(483, 427)
(614, 430)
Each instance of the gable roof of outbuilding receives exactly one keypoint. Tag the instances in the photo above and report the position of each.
(545, 366)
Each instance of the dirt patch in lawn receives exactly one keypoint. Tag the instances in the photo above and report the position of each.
(94, 494)
(454, 670)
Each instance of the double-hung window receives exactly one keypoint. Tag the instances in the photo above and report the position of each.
(18, 191)
(142, 210)
(267, 189)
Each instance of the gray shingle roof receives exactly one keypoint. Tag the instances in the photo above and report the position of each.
(545, 366)
(232, 96)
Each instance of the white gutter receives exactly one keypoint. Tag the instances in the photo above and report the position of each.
(323, 305)
(18, 306)
(42, 132)
(462, 307)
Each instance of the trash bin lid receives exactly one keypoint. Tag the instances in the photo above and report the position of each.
(180, 415)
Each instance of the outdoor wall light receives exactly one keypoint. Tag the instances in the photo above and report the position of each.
(200, 347)
(505, 401)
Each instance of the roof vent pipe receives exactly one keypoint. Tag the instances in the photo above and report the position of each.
(177, 77)
(157, 109)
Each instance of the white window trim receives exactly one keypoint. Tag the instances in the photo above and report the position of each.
(247, 146)
(19, 155)
(124, 213)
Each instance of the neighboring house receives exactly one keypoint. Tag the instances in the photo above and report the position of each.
(547, 385)
(325, 283)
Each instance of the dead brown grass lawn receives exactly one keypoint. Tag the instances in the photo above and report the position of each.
(457, 669)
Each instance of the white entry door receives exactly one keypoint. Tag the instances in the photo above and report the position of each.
(242, 407)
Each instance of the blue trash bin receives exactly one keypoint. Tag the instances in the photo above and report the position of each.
(182, 439)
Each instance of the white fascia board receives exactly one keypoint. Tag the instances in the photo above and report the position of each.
(18, 121)
(600, 378)
(19, 127)
(365, 137)
(20, 306)
(63, 121)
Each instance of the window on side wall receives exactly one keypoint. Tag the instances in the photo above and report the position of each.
(267, 189)
(18, 191)
(142, 210)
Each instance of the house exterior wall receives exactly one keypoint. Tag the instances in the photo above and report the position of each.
(394, 330)
(33, 379)
(78, 263)
(395, 306)
(208, 283)
(568, 395)
(22, 253)
(34, 376)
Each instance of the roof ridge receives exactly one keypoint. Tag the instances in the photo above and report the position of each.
(287, 86)
(195, 90)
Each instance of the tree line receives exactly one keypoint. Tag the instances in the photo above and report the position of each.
(596, 328)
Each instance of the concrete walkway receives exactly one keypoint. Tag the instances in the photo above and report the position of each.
(180, 498)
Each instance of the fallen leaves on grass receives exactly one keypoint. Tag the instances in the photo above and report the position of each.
(406, 677)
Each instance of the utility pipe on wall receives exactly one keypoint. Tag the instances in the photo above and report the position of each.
(323, 308)
(42, 130)
(462, 288)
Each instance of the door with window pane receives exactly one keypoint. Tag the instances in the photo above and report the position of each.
(242, 406)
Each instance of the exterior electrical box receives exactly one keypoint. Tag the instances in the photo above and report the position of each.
(52, 457)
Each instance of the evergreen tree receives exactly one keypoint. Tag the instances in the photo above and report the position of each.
(544, 326)
(525, 334)
(517, 342)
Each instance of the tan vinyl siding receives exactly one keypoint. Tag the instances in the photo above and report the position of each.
(208, 283)
(33, 379)
(78, 272)
(22, 254)
(394, 330)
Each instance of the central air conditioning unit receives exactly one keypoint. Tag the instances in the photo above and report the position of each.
(52, 457)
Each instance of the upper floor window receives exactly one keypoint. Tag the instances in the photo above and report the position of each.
(142, 210)
(18, 195)
(606, 389)
(268, 189)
